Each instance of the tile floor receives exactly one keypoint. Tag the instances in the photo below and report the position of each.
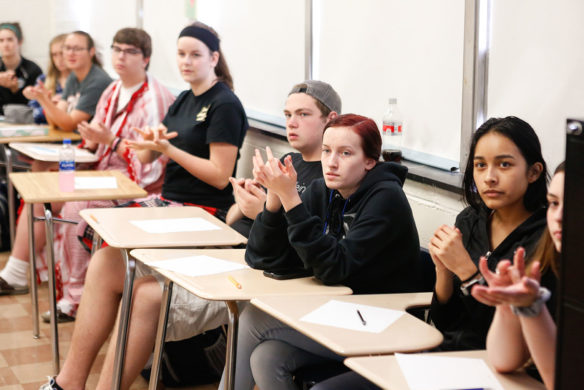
(26, 362)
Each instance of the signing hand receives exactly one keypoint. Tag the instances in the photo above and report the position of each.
(446, 248)
(509, 285)
(8, 80)
(96, 133)
(249, 196)
(153, 139)
(277, 177)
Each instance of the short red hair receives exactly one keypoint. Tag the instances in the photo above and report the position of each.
(365, 128)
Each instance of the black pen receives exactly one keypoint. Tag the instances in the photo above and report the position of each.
(361, 317)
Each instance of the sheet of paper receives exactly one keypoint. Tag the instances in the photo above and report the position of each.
(344, 315)
(44, 150)
(425, 372)
(21, 127)
(198, 265)
(174, 225)
(95, 182)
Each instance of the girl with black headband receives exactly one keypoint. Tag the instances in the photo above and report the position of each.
(16, 72)
(201, 135)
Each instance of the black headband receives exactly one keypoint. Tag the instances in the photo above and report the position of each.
(11, 27)
(203, 35)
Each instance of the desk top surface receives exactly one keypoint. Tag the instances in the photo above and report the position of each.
(43, 187)
(385, 372)
(53, 135)
(115, 227)
(407, 334)
(219, 287)
(50, 152)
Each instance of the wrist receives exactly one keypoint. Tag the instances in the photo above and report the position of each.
(534, 309)
(467, 272)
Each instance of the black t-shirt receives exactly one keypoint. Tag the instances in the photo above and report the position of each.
(215, 116)
(27, 73)
(307, 172)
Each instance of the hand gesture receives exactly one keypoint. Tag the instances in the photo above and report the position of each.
(509, 285)
(8, 79)
(153, 138)
(38, 93)
(275, 176)
(447, 251)
(96, 133)
(249, 196)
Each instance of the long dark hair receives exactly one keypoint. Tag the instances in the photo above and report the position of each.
(524, 137)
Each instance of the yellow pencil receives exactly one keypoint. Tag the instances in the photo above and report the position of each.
(235, 282)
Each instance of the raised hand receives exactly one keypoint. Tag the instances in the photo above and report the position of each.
(249, 196)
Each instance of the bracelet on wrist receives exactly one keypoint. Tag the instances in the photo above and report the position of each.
(533, 310)
(471, 277)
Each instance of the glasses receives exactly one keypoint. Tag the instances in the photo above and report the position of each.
(75, 49)
(132, 51)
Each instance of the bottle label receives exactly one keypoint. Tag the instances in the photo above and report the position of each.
(67, 165)
(391, 127)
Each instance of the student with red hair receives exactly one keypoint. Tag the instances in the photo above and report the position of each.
(354, 227)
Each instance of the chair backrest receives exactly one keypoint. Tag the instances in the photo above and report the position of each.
(425, 272)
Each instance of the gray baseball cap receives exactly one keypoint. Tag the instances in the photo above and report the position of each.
(321, 91)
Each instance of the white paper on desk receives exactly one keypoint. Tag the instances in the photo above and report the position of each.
(174, 225)
(423, 372)
(43, 150)
(95, 182)
(198, 265)
(344, 315)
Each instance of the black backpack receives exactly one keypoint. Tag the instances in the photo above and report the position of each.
(195, 361)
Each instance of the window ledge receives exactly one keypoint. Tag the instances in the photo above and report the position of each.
(450, 181)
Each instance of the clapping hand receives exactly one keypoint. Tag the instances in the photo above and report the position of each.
(153, 138)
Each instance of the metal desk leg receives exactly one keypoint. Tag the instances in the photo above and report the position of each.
(124, 319)
(95, 243)
(10, 189)
(33, 274)
(160, 334)
(52, 286)
(231, 352)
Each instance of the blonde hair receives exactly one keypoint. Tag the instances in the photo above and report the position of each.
(53, 74)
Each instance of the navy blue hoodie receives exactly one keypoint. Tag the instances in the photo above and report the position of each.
(367, 242)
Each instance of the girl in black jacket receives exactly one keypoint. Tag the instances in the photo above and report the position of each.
(354, 227)
(505, 186)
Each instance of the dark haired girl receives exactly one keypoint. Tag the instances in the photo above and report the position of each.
(505, 186)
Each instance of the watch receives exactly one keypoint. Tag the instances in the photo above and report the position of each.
(467, 286)
(534, 309)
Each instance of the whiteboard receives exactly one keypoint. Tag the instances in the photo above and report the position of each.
(412, 50)
(536, 67)
(262, 41)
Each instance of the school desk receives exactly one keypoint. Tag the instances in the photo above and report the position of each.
(53, 135)
(240, 285)
(43, 187)
(407, 334)
(118, 228)
(385, 372)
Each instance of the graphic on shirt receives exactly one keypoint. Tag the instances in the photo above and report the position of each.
(202, 115)
(72, 101)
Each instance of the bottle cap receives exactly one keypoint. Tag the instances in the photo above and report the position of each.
(392, 100)
(67, 141)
